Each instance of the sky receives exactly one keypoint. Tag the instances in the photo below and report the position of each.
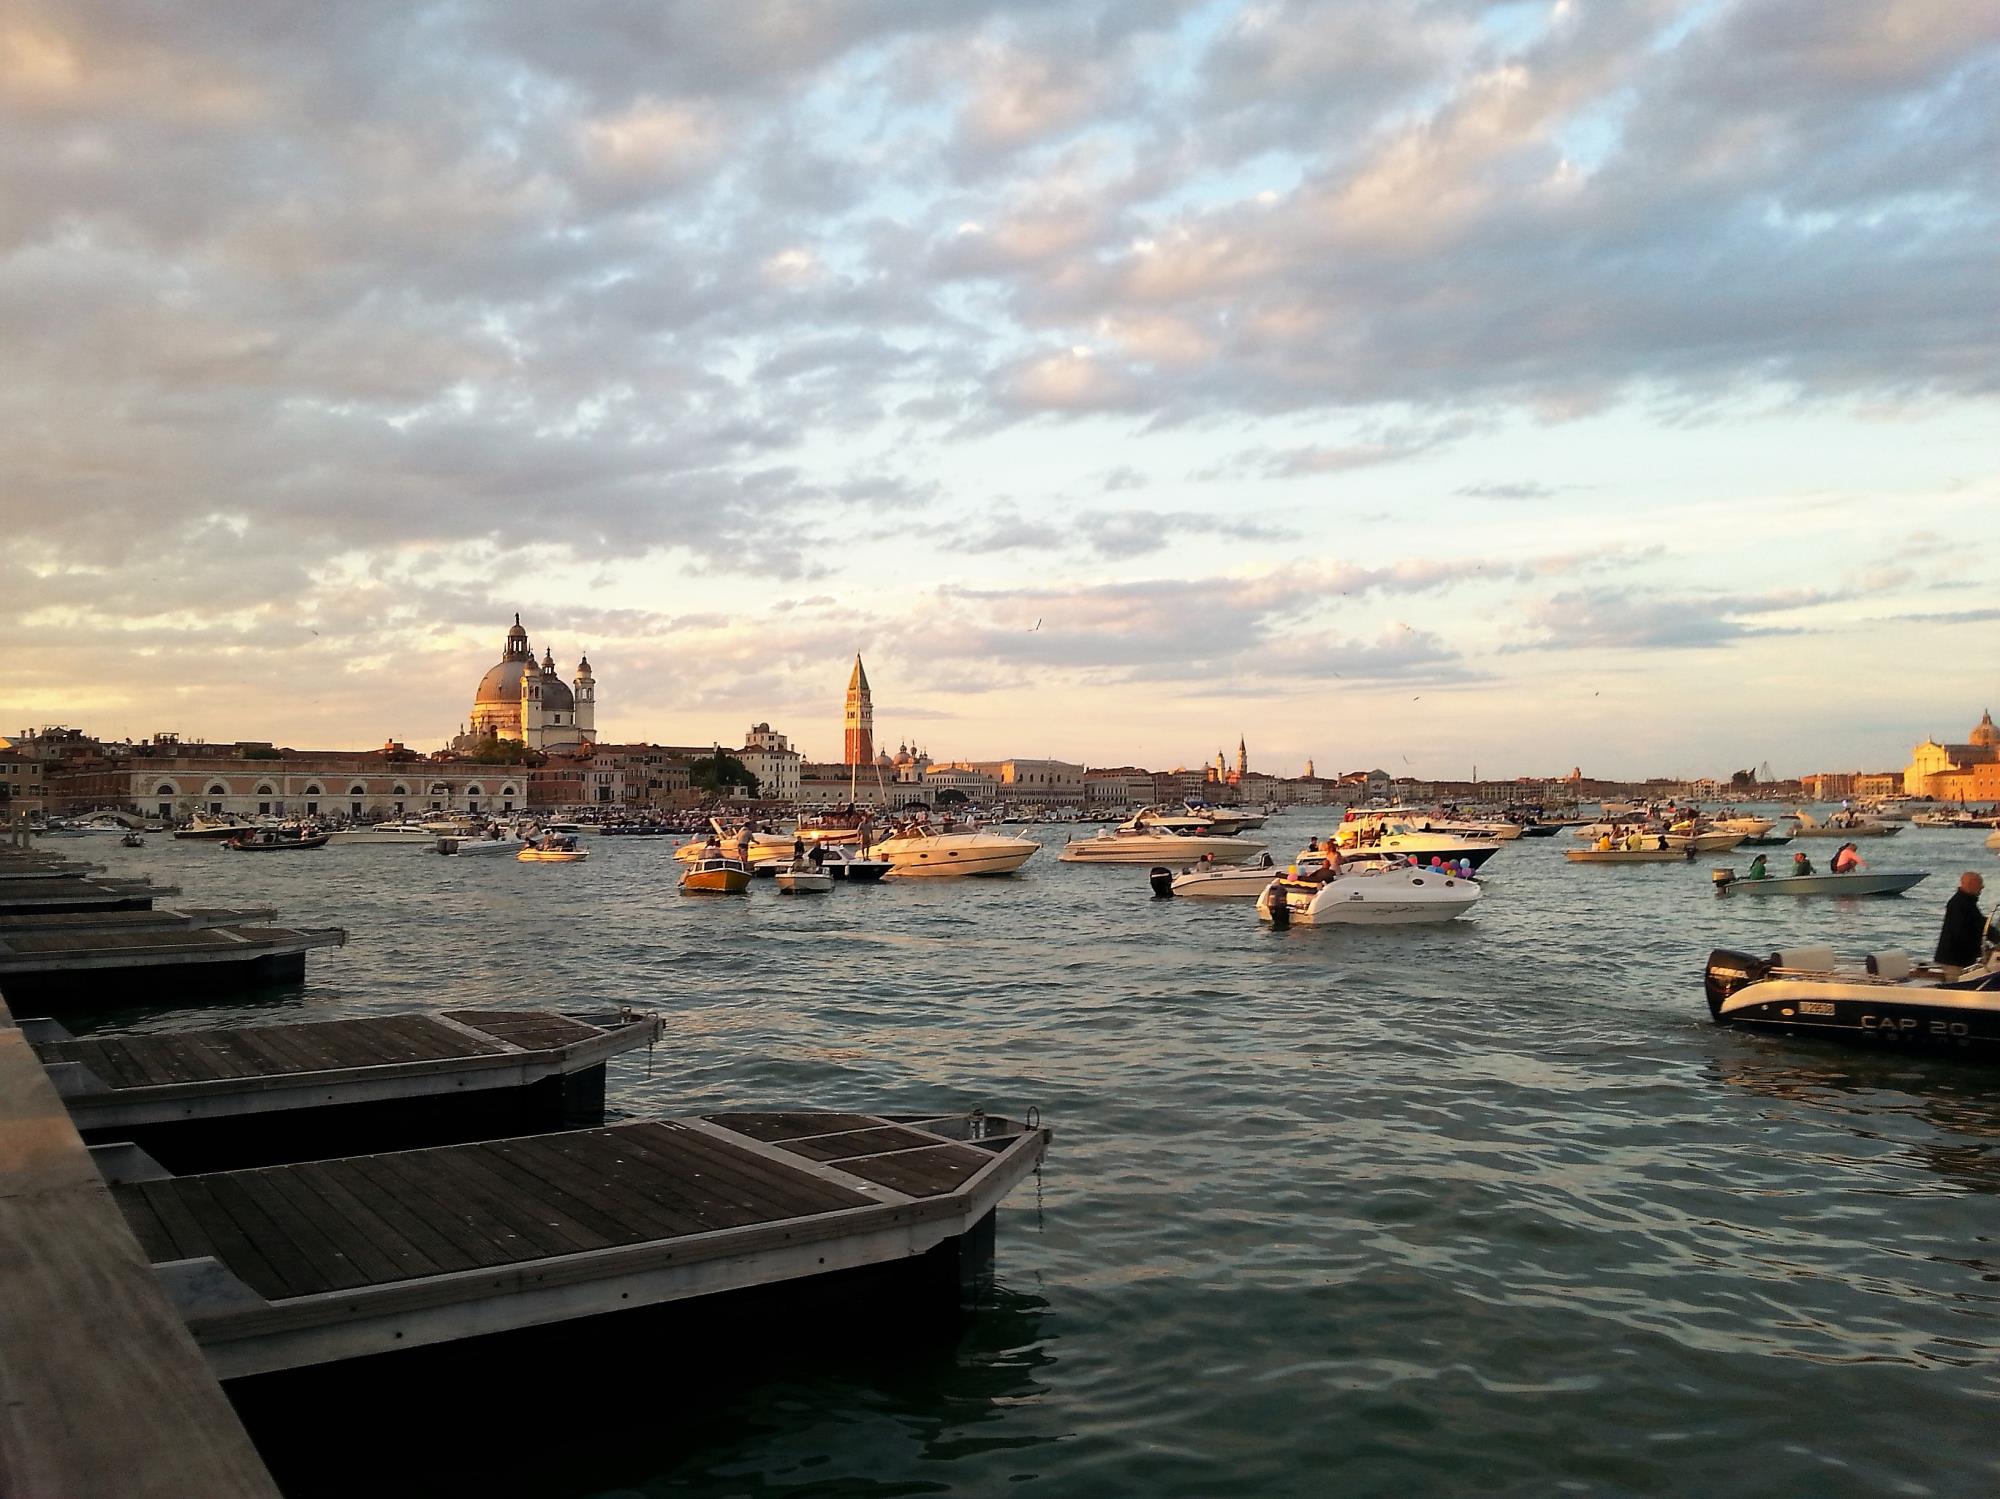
(1430, 384)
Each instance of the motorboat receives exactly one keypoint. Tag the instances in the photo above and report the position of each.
(1708, 841)
(1378, 835)
(755, 849)
(842, 864)
(273, 840)
(1226, 819)
(1858, 882)
(1765, 840)
(1889, 999)
(132, 840)
(800, 877)
(408, 833)
(1499, 831)
(1841, 825)
(212, 829)
(1629, 855)
(1391, 895)
(716, 874)
(1148, 840)
(535, 854)
(918, 852)
(493, 843)
(1215, 881)
(1736, 822)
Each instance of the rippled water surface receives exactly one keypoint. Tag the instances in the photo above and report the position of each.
(1490, 1208)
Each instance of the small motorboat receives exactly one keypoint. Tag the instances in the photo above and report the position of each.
(1890, 999)
(716, 874)
(920, 853)
(1765, 840)
(1841, 825)
(492, 844)
(1215, 881)
(1707, 841)
(552, 848)
(1153, 835)
(800, 877)
(1391, 895)
(1860, 882)
(1629, 855)
(205, 828)
(132, 840)
(409, 833)
(273, 840)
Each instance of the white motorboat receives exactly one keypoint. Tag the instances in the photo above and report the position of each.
(1375, 835)
(918, 853)
(491, 844)
(1215, 881)
(1749, 827)
(762, 851)
(384, 832)
(1890, 999)
(1391, 895)
(1706, 841)
(1860, 882)
(1841, 825)
(1153, 839)
(800, 878)
(1227, 819)
(1497, 832)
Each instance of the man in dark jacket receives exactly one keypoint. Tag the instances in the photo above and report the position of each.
(1964, 929)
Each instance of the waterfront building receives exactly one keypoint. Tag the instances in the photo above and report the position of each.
(171, 780)
(22, 790)
(769, 756)
(1946, 771)
(633, 778)
(970, 784)
(858, 722)
(1048, 782)
(531, 704)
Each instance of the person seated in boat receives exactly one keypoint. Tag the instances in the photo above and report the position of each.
(1802, 865)
(817, 857)
(1312, 846)
(1758, 869)
(1635, 841)
(1963, 936)
(1266, 863)
(1604, 843)
(1847, 859)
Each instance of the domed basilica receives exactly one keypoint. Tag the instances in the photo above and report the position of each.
(530, 704)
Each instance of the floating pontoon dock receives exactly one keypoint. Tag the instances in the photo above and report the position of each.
(334, 1087)
(44, 968)
(54, 894)
(133, 921)
(289, 1266)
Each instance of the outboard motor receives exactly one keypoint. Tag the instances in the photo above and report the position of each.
(1280, 908)
(1723, 879)
(1163, 880)
(1728, 971)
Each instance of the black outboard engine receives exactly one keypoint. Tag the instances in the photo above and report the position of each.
(1728, 971)
(1281, 911)
(1163, 880)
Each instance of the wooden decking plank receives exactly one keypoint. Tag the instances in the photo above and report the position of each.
(360, 1043)
(719, 1196)
(256, 1044)
(270, 1236)
(545, 1213)
(611, 1156)
(109, 1065)
(791, 1185)
(577, 1202)
(352, 1237)
(438, 1241)
(226, 1241)
(601, 1188)
(189, 1240)
(298, 1047)
(840, 1146)
(481, 1236)
(748, 1179)
(775, 1127)
(402, 1255)
(168, 1054)
(147, 1228)
(512, 1235)
(423, 1040)
(920, 1173)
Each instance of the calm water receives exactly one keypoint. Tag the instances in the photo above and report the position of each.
(1490, 1208)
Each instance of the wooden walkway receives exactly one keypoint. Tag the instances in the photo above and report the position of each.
(44, 968)
(52, 893)
(125, 1083)
(133, 921)
(292, 1265)
(105, 1392)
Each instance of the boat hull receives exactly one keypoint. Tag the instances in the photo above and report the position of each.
(858, 871)
(715, 881)
(949, 857)
(1216, 884)
(803, 883)
(1119, 848)
(1629, 855)
(1387, 898)
(552, 855)
(1961, 1019)
(1888, 882)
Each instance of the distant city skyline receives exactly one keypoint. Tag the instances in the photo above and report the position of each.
(1426, 383)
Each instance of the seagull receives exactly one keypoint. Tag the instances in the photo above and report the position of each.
(1038, 624)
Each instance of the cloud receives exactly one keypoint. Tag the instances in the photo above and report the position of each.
(1639, 618)
(1525, 489)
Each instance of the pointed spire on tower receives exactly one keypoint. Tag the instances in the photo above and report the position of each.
(858, 682)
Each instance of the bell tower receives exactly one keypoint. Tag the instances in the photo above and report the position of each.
(586, 701)
(858, 740)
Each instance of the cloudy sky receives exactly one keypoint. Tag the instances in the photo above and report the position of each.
(1408, 382)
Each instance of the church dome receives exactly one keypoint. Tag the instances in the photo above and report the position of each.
(556, 698)
(502, 683)
(1986, 733)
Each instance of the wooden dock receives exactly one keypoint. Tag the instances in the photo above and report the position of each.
(51, 969)
(289, 1266)
(133, 921)
(257, 1095)
(105, 1391)
(51, 894)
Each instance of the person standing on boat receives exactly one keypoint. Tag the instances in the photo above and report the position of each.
(1964, 932)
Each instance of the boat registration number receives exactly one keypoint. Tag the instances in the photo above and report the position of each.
(1815, 1007)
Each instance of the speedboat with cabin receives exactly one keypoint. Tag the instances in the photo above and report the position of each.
(1151, 837)
(1382, 833)
(1385, 895)
(716, 874)
(208, 828)
(917, 852)
(1889, 999)
(844, 864)
(1841, 825)
(1225, 819)
(385, 832)
(1215, 881)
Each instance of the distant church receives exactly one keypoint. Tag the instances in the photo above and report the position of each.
(530, 704)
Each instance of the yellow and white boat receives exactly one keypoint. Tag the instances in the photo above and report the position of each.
(531, 854)
(716, 876)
